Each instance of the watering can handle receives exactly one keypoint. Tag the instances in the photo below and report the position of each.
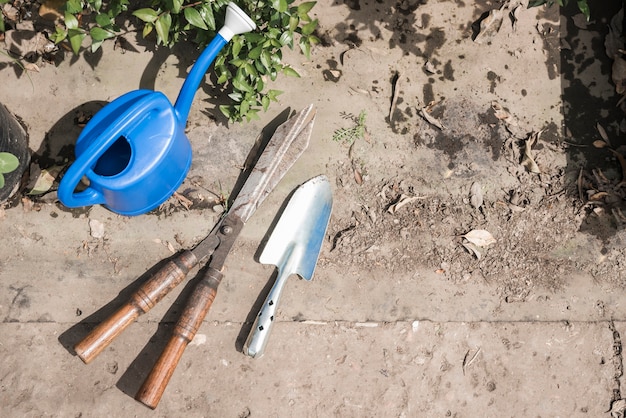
(88, 158)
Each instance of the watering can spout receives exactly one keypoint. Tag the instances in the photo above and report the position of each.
(236, 22)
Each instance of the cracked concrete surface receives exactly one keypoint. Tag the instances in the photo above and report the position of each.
(359, 340)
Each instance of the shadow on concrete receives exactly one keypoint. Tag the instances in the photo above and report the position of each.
(575, 53)
(590, 100)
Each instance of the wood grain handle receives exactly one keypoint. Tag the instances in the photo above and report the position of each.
(140, 302)
(190, 321)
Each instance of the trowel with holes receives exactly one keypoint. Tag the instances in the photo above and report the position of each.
(293, 247)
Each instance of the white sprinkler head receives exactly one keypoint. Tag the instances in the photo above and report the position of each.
(236, 22)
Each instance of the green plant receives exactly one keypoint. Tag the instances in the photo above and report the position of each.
(349, 135)
(583, 5)
(244, 66)
(8, 163)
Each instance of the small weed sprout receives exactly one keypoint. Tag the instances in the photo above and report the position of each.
(8, 163)
(349, 135)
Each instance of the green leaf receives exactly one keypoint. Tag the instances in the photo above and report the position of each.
(59, 35)
(237, 62)
(162, 26)
(97, 5)
(1, 181)
(252, 114)
(146, 15)
(104, 20)
(70, 21)
(287, 39)
(176, 6)
(241, 84)
(99, 34)
(2, 28)
(207, 15)
(95, 45)
(76, 37)
(305, 47)
(255, 53)
(237, 45)
(8, 162)
(147, 29)
(73, 6)
(250, 70)
(293, 23)
(584, 8)
(280, 5)
(244, 107)
(225, 109)
(309, 28)
(237, 97)
(290, 72)
(266, 59)
(193, 17)
(273, 94)
(305, 8)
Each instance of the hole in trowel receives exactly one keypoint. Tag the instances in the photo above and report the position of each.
(115, 159)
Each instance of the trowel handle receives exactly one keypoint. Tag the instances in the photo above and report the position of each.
(140, 302)
(188, 324)
(260, 332)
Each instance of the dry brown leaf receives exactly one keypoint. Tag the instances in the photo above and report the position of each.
(598, 196)
(430, 119)
(502, 114)
(32, 67)
(618, 74)
(489, 26)
(42, 180)
(598, 143)
(622, 163)
(480, 237)
(187, 203)
(614, 40)
(528, 160)
(473, 249)
(358, 177)
(603, 134)
(402, 201)
(476, 195)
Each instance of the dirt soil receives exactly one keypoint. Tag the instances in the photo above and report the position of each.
(474, 261)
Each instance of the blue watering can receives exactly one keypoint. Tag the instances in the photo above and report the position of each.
(134, 151)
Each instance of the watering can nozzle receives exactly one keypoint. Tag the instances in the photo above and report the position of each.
(236, 22)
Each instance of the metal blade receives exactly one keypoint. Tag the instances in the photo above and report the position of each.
(284, 148)
(296, 240)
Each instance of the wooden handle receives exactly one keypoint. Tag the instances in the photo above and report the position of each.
(140, 302)
(190, 320)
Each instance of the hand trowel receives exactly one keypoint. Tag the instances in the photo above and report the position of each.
(293, 247)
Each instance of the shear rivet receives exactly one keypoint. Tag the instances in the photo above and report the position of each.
(226, 229)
